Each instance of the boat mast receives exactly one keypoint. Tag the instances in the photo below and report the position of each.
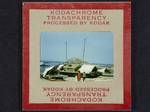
(66, 51)
(84, 41)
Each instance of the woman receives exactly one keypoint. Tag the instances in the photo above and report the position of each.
(78, 76)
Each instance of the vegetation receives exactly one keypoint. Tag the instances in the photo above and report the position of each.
(75, 61)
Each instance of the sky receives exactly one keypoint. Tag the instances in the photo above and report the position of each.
(98, 46)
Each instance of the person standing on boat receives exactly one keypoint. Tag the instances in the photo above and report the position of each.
(84, 76)
(78, 76)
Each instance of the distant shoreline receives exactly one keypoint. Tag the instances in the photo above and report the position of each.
(61, 62)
